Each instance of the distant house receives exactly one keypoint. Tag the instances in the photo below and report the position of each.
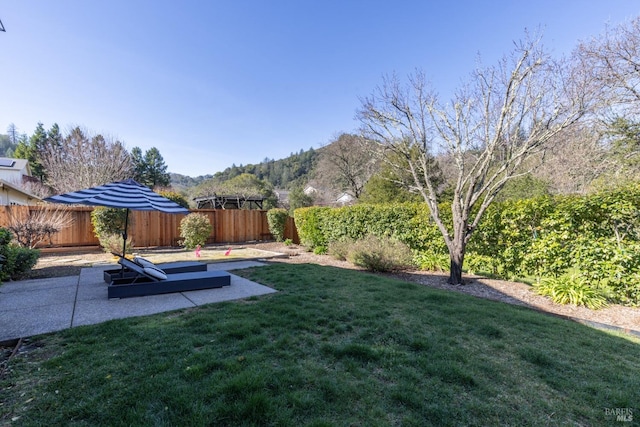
(13, 173)
(345, 199)
(310, 190)
(13, 170)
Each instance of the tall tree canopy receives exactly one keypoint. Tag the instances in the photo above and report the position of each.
(346, 164)
(150, 169)
(31, 149)
(613, 60)
(82, 160)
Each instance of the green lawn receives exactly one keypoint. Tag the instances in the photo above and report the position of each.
(333, 347)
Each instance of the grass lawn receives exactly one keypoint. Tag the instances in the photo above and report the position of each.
(333, 347)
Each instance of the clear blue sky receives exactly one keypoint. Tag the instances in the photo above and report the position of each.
(213, 83)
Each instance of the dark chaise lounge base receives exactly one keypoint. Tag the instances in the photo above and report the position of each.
(169, 268)
(180, 282)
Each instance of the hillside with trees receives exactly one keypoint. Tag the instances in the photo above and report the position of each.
(286, 173)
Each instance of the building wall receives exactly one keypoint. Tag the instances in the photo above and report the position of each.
(9, 196)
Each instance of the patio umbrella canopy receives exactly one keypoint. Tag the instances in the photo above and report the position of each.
(127, 194)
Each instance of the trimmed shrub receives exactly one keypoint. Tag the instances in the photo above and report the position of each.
(311, 223)
(108, 225)
(195, 229)
(277, 219)
(16, 260)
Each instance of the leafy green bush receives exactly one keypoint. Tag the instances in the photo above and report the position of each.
(572, 290)
(277, 219)
(175, 197)
(108, 225)
(19, 260)
(5, 237)
(310, 223)
(432, 261)
(596, 236)
(16, 259)
(380, 254)
(195, 229)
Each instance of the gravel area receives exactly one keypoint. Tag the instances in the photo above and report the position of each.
(627, 318)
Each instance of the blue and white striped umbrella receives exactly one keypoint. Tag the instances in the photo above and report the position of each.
(127, 194)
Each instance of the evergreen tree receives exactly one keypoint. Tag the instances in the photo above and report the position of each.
(6, 146)
(298, 199)
(30, 149)
(139, 169)
(37, 142)
(54, 137)
(14, 136)
(150, 169)
(156, 173)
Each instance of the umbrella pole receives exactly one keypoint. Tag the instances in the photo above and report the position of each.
(124, 238)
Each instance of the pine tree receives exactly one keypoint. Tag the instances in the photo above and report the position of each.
(30, 149)
(139, 166)
(156, 173)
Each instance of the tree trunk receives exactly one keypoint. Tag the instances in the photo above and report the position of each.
(456, 256)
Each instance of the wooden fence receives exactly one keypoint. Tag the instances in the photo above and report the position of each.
(152, 228)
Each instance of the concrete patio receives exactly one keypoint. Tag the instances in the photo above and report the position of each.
(32, 307)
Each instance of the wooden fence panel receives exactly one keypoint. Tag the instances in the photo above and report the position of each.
(152, 228)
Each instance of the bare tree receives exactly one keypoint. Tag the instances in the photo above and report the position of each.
(33, 226)
(574, 161)
(346, 164)
(505, 115)
(614, 61)
(12, 131)
(83, 160)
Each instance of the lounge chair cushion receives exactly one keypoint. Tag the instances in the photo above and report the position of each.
(143, 262)
(155, 272)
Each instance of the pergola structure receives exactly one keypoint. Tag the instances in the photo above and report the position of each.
(229, 202)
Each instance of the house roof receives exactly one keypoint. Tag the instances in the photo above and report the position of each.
(5, 184)
(8, 163)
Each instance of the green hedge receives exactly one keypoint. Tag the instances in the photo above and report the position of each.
(410, 223)
(595, 237)
(277, 220)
